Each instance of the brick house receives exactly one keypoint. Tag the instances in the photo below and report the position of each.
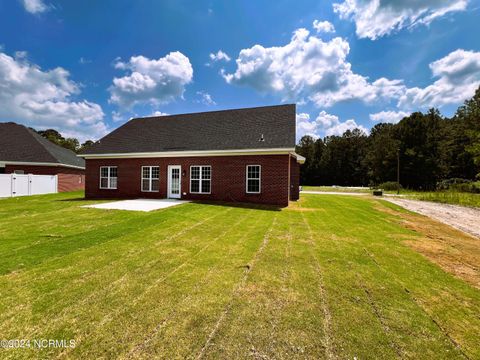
(242, 155)
(23, 151)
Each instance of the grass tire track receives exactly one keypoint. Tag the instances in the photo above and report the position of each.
(237, 289)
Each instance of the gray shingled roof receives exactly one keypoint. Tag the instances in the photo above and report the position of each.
(216, 130)
(21, 144)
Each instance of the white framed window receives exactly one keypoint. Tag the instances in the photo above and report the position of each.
(150, 178)
(108, 177)
(254, 179)
(200, 179)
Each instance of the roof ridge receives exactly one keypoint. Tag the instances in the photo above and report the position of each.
(212, 111)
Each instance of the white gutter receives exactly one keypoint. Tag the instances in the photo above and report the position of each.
(275, 151)
(300, 158)
(3, 163)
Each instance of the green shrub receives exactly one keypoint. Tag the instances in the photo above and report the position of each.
(459, 185)
(390, 186)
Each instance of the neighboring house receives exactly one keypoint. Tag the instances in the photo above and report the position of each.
(23, 151)
(243, 155)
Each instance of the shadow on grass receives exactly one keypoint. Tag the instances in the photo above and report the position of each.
(204, 202)
(90, 199)
(238, 205)
(74, 199)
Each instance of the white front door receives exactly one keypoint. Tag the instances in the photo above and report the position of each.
(174, 181)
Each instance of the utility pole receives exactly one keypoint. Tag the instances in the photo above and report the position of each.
(398, 171)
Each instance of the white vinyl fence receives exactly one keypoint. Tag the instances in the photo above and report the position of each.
(23, 185)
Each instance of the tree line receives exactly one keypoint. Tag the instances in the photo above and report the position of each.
(428, 147)
(68, 143)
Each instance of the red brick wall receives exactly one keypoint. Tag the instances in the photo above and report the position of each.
(228, 178)
(294, 179)
(70, 182)
(68, 179)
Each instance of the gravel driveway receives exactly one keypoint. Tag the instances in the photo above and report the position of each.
(460, 217)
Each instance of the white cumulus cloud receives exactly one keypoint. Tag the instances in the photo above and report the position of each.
(220, 55)
(35, 6)
(323, 26)
(326, 120)
(151, 81)
(388, 116)
(43, 99)
(159, 113)
(305, 126)
(325, 124)
(308, 68)
(341, 127)
(458, 75)
(331, 124)
(205, 98)
(377, 18)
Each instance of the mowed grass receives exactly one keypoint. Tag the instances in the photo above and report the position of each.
(444, 196)
(329, 277)
(337, 189)
(448, 197)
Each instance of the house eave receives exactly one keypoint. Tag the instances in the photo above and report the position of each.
(29, 163)
(241, 152)
(300, 159)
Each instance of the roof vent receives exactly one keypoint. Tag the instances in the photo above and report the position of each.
(261, 138)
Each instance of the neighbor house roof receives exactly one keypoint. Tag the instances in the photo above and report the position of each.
(19, 144)
(262, 128)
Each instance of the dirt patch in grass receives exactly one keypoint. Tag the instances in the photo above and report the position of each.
(301, 209)
(298, 206)
(463, 218)
(453, 250)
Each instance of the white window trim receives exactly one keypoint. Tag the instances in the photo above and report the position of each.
(200, 180)
(149, 178)
(259, 179)
(108, 178)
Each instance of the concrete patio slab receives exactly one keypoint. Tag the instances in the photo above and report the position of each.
(138, 204)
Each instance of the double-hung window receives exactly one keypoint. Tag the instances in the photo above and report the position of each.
(254, 173)
(108, 177)
(150, 178)
(200, 179)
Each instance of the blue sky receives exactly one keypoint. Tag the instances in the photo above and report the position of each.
(86, 67)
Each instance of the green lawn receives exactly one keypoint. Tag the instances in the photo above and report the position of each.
(330, 277)
(336, 189)
(446, 197)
